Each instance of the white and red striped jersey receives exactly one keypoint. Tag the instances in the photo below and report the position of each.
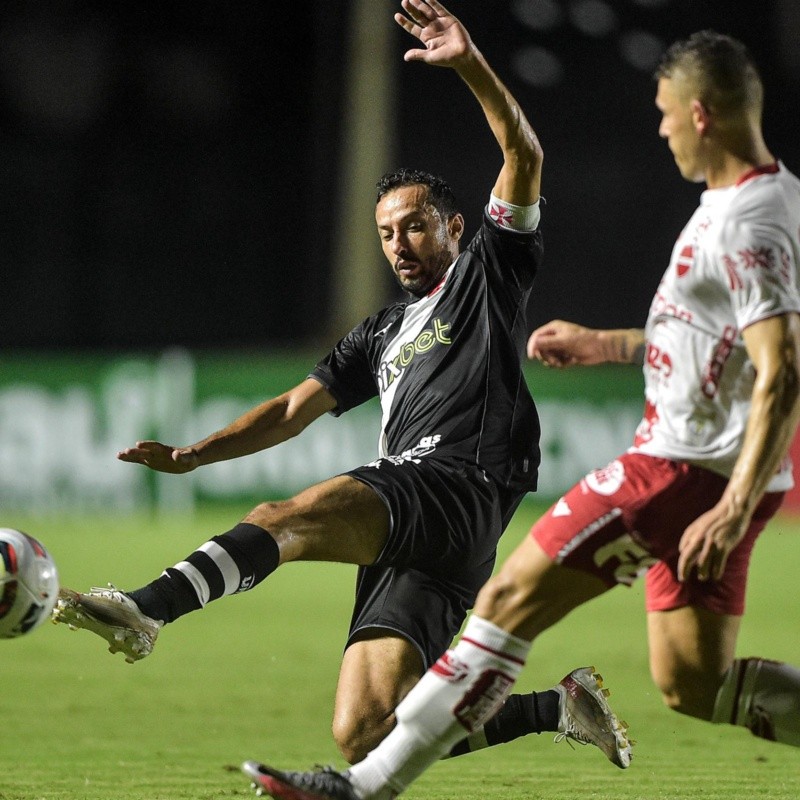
(736, 262)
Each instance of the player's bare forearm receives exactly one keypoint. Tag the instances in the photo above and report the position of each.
(270, 423)
(448, 44)
(774, 347)
(564, 344)
(628, 346)
(260, 428)
(519, 180)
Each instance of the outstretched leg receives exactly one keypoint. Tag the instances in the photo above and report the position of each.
(341, 520)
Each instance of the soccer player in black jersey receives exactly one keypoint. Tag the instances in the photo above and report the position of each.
(684, 506)
(458, 447)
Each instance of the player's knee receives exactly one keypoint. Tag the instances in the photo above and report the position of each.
(690, 695)
(502, 593)
(352, 749)
(271, 514)
(503, 598)
(280, 519)
(356, 737)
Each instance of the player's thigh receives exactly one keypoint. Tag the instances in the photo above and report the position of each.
(725, 596)
(379, 669)
(531, 592)
(340, 519)
(691, 648)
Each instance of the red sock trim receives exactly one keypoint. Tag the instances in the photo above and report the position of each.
(494, 652)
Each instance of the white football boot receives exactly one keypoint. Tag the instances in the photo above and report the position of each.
(111, 614)
(587, 718)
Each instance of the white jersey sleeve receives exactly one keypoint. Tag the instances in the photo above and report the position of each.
(759, 264)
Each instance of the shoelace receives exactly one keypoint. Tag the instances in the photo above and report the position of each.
(105, 591)
(570, 735)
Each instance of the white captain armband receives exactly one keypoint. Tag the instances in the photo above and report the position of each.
(518, 218)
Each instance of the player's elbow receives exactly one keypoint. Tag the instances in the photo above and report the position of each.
(524, 158)
(790, 387)
(295, 420)
(781, 387)
(786, 378)
(293, 426)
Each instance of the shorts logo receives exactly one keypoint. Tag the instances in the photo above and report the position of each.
(562, 509)
(626, 558)
(427, 444)
(606, 481)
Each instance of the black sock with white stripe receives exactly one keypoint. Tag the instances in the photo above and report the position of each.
(227, 564)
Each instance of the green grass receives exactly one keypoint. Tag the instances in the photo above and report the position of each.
(253, 676)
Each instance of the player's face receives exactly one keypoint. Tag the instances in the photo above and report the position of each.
(679, 129)
(417, 241)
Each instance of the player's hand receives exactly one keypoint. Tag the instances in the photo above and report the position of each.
(564, 344)
(161, 457)
(446, 40)
(709, 540)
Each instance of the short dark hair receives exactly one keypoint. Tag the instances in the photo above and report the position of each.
(719, 68)
(440, 195)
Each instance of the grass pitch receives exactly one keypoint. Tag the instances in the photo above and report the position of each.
(253, 676)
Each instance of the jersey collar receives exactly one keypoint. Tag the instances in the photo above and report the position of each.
(436, 289)
(768, 169)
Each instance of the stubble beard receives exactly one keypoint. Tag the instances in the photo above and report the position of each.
(420, 286)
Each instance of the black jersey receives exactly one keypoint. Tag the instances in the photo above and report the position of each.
(447, 366)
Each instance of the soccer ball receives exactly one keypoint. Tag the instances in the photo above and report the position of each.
(28, 583)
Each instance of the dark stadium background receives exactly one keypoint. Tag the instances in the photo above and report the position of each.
(172, 172)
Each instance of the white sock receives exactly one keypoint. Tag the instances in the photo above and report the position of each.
(457, 695)
(763, 696)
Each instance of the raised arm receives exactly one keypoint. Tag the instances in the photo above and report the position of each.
(447, 44)
(270, 423)
(774, 348)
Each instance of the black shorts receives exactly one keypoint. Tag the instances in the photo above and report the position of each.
(446, 517)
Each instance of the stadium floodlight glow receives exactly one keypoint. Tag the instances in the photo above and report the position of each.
(538, 67)
(594, 18)
(539, 15)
